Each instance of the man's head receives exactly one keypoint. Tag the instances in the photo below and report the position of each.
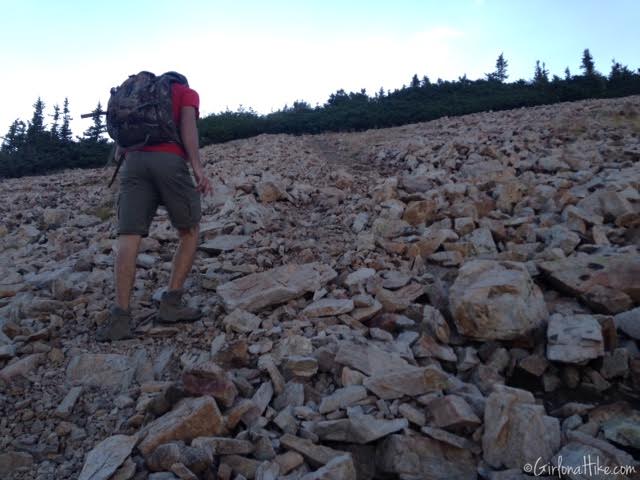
(178, 77)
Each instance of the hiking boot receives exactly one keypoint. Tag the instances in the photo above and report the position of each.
(117, 326)
(173, 309)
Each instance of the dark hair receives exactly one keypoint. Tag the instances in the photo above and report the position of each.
(178, 77)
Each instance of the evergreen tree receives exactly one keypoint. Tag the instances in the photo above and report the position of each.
(55, 127)
(619, 71)
(500, 73)
(95, 131)
(587, 65)
(425, 81)
(15, 137)
(541, 74)
(415, 82)
(567, 74)
(65, 129)
(36, 125)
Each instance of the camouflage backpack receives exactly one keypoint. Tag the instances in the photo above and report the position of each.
(140, 111)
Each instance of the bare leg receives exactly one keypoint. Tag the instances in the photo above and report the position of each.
(183, 258)
(125, 269)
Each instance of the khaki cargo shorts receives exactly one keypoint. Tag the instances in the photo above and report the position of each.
(150, 179)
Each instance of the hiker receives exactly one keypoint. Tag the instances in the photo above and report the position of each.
(153, 174)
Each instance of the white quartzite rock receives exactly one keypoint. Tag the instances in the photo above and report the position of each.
(278, 285)
(574, 339)
(496, 300)
(107, 456)
(517, 430)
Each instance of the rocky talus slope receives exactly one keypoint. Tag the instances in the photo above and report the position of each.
(457, 299)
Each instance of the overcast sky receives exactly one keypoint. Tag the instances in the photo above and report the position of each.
(264, 55)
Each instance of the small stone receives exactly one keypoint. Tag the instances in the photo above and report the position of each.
(435, 323)
(7, 352)
(417, 213)
(426, 346)
(342, 397)
(164, 456)
(423, 457)
(359, 277)
(574, 339)
(339, 468)
(268, 471)
(261, 400)
(629, 323)
(224, 243)
(209, 379)
(11, 462)
(615, 364)
(463, 225)
(451, 411)
(65, 408)
(183, 472)
(223, 446)
(623, 430)
(101, 370)
(242, 322)
(379, 334)
(534, 364)
(105, 458)
(413, 414)
(316, 455)
(21, 367)
(190, 418)
(266, 362)
(246, 467)
(412, 381)
(300, 366)
(351, 377)
(264, 449)
(446, 259)
(286, 421)
(327, 307)
(235, 414)
(293, 395)
(399, 300)
(451, 439)
(358, 429)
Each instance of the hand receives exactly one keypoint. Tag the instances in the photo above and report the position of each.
(203, 184)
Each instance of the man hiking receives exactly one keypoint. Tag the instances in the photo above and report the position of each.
(154, 174)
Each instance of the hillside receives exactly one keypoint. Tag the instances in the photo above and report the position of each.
(451, 299)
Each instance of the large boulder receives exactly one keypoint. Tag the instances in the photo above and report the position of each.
(608, 283)
(424, 458)
(493, 300)
(516, 429)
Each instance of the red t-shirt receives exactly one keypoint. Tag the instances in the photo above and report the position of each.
(181, 96)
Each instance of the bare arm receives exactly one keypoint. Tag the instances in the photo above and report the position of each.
(189, 136)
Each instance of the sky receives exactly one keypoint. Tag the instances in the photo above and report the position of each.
(265, 55)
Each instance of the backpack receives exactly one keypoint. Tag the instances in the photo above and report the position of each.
(140, 111)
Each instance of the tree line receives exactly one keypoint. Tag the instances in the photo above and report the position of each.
(423, 100)
(33, 148)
